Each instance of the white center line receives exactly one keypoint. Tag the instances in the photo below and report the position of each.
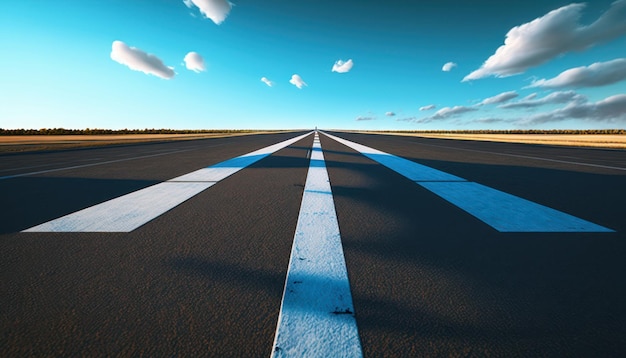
(317, 316)
(130, 211)
(502, 211)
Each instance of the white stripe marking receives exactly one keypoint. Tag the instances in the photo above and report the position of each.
(130, 211)
(504, 212)
(407, 168)
(226, 168)
(221, 170)
(317, 316)
(125, 213)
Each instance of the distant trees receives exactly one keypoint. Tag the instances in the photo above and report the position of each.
(98, 131)
(513, 131)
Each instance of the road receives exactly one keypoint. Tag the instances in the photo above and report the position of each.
(429, 274)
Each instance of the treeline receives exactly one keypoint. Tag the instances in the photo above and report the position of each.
(99, 131)
(514, 131)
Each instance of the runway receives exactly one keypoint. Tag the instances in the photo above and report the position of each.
(450, 248)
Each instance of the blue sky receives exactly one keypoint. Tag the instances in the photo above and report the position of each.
(120, 64)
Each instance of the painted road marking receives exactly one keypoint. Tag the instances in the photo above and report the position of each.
(317, 316)
(125, 213)
(130, 211)
(504, 212)
(411, 170)
(224, 169)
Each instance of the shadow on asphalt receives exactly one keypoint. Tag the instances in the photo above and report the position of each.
(434, 280)
(35, 200)
(427, 277)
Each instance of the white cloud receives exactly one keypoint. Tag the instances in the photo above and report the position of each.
(297, 81)
(594, 75)
(610, 109)
(448, 66)
(530, 96)
(501, 98)
(194, 62)
(390, 114)
(216, 10)
(267, 82)
(428, 108)
(445, 113)
(553, 98)
(138, 60)
(558, 32)
(342, 67)
(365, 118)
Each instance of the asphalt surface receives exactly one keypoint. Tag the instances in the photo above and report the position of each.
(206, 278)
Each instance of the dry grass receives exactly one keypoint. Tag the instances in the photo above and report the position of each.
(578, 140)
(53, 142)
(24, 143)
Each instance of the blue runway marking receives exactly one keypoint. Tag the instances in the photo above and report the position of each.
(504, 212)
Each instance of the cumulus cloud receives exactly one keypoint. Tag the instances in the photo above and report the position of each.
(530, 96)
(610, 109)
(448, 66)
(558, 32)
(216, 10)
(138, 60)
(594, 75)
(428, 108)
(297, 81)
(267, 82)
(501, 98)
(194, 62)
(342, 67)
(445, 113)
(390, 114)
(553, 98)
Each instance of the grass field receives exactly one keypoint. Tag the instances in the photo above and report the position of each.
(24, 143)
(579, 140)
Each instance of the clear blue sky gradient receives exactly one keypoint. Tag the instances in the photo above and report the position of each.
(56, 69)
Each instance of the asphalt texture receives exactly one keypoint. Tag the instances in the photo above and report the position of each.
(206, 278)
